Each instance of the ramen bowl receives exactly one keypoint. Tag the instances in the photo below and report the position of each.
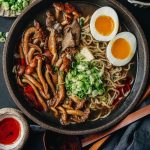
(139, 71)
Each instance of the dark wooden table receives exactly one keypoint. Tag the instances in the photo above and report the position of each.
(142, 15)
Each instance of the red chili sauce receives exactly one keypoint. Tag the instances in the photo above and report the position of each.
(9, 130)
(125, 89)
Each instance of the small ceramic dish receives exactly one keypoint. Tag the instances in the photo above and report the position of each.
(14, 129)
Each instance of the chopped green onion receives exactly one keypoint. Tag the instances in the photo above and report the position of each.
(19, 1)
(5, 5)
(83, 80)
(13, 7)
(25, 4)
(2, 39)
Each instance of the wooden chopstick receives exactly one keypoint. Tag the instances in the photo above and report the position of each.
(128, 120)
(100, 142)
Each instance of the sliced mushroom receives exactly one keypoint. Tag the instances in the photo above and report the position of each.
(20, 70)
(70, 9)
(67, 106)
(31, 53)
(35, 47)
(64, 114)
(40, 99)
(59, 7)
(33, 62)
(21, 51)
(83, 118)
(55, 111)
(26, 39)
(71, 52)
(76, 31)
(52, 45)
(33, 81)
(76, 14)
(75, 112)
(60, 95)
(36, 84)
(67, 19)
(68, 40)
(59, 62)
(48, 79)
(58, 27)
(35, 76)
(65, 65)
(29, 70)
(40, 34)
(49, 19)
(79, 103)
(19, 81)
(53, 75)
(32, 50)
(41, 78)
(48, 55)
(75, 99)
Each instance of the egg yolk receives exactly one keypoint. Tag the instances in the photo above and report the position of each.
(104, 25)
(121, 48)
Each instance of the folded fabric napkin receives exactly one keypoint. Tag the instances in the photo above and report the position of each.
(134, 137)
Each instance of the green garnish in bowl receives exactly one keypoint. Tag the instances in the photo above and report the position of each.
(84, 80)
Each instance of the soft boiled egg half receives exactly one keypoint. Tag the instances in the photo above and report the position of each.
(104, 24)
(121, 49)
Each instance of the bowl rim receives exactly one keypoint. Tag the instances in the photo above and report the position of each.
(139, 2)
(86, 131)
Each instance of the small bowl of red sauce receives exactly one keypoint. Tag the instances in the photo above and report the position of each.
(14, 129)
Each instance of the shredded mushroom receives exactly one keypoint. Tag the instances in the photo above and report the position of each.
(37, 94)
(46, 55)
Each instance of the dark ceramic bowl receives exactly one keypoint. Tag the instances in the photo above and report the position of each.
(140, 71)
(140, 3)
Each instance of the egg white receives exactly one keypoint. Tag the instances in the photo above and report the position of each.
(131, 39)
(104, 11)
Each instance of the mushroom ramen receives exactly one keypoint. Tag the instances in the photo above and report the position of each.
(72, 66)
